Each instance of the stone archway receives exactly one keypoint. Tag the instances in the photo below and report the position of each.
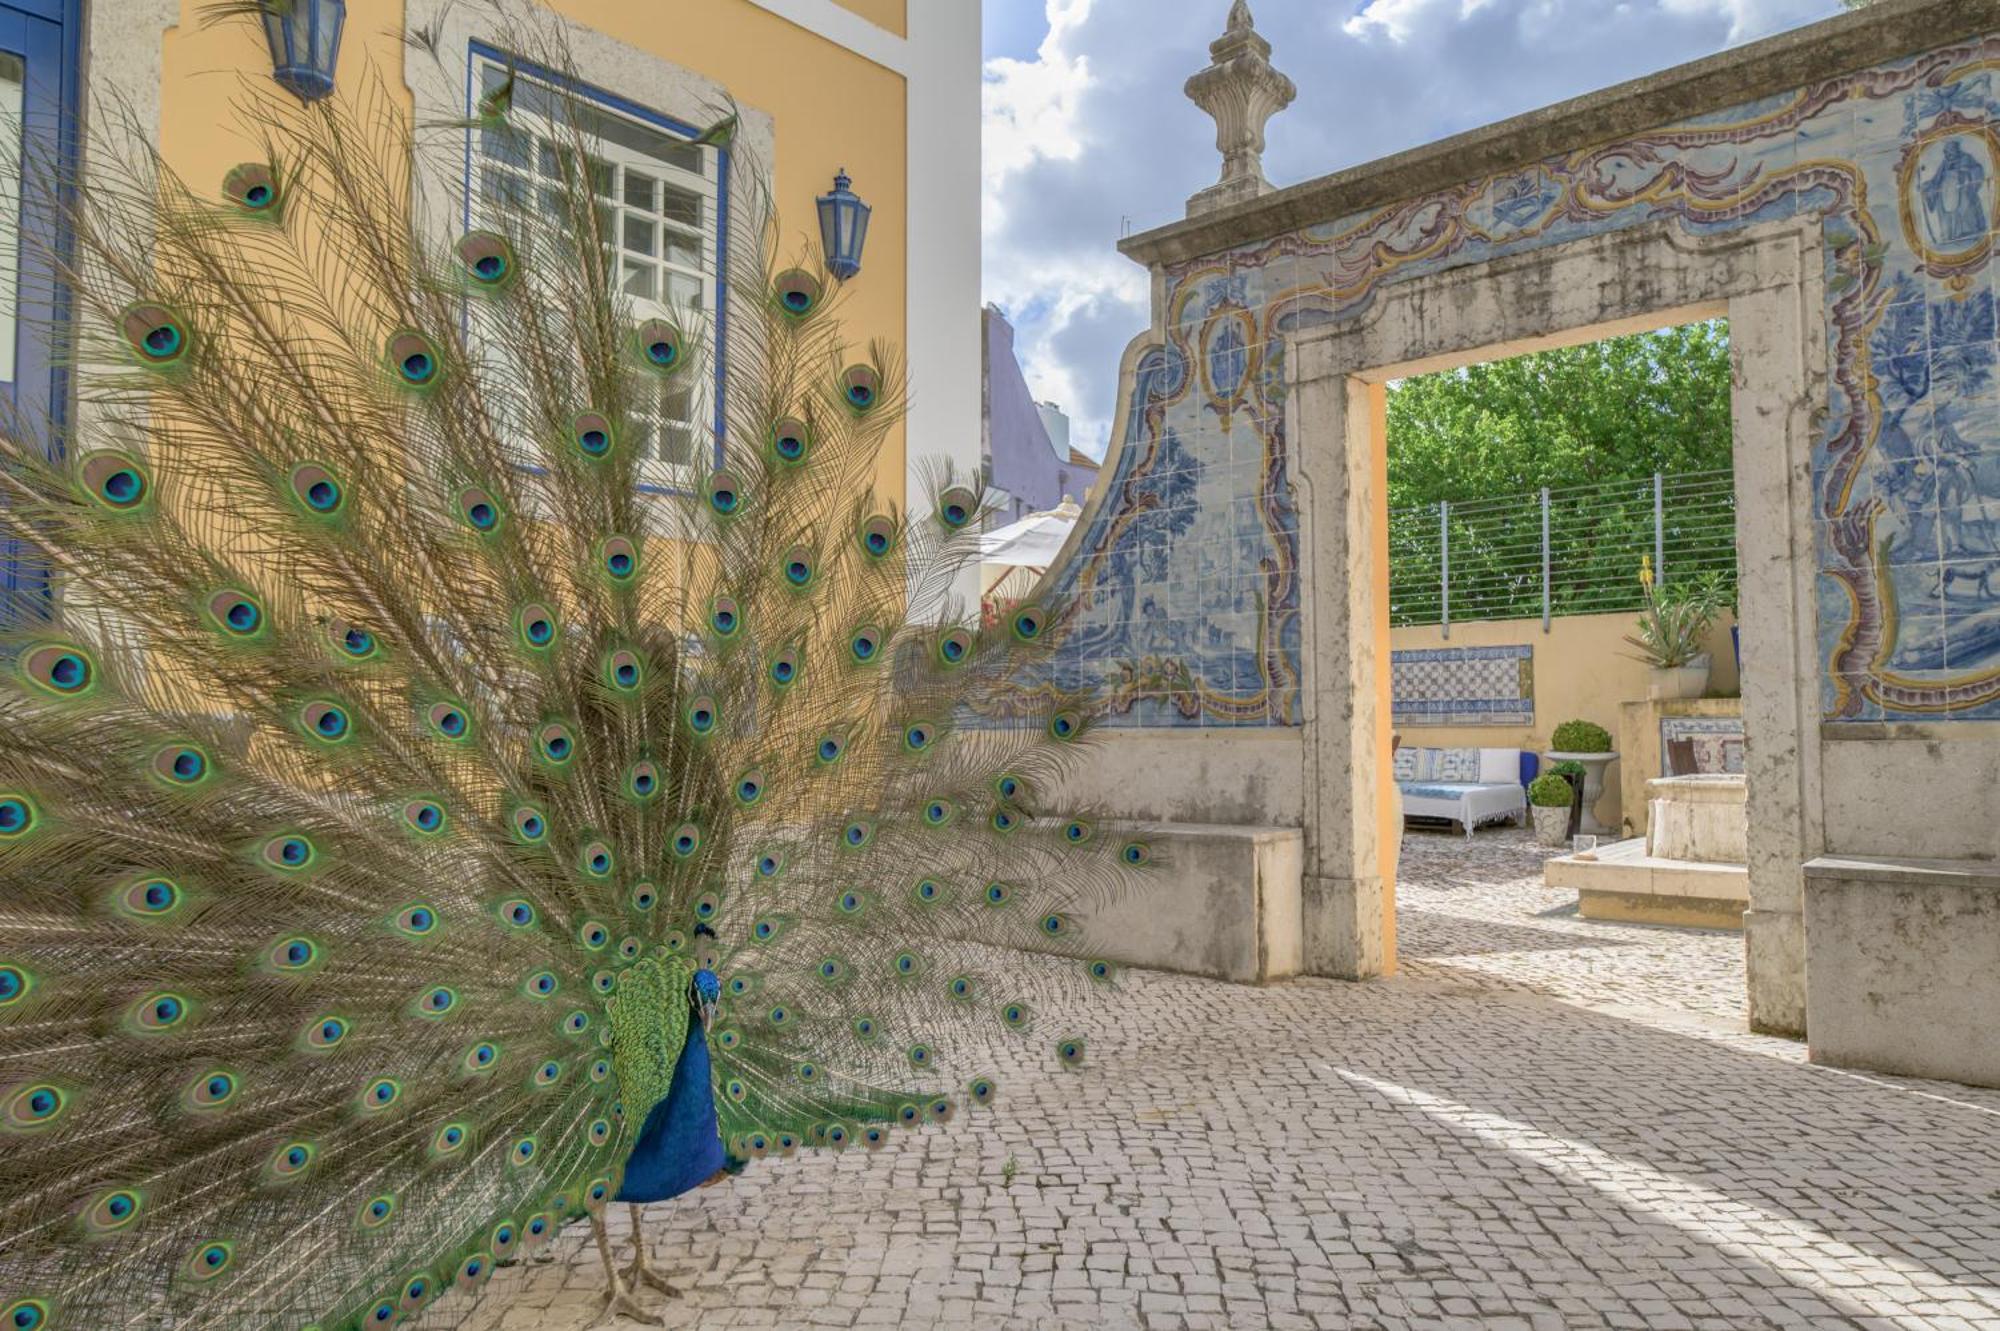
(1767, 279)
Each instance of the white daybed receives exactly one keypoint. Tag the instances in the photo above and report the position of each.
(1464, 786)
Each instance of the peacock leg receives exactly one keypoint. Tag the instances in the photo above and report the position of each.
(640, 1273)
(618, 1300)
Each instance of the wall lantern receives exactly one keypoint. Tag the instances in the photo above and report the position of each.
(304, 36)
(843, 227)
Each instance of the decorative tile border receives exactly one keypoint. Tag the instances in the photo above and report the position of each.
(1718, 741)
(1457, 686)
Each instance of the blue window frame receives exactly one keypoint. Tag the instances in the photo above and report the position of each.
(40, 82)
(665, 209)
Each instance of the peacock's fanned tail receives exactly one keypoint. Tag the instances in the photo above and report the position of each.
(390, 715)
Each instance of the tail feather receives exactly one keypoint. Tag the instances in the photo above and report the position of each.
(395, 711)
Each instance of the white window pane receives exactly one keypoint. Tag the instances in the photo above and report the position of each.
(603, 176)
(640, 190)
(503, 188)
(677, 404)
(506, 145)
(684, 290)
(641, 235)
(607, 223)
(641, 279)
(13, 78)
(682, 206)
(682, 248)
(547, 160)
(677, 445)
(687, 157)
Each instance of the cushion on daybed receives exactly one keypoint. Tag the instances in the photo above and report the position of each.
(1469, 767)
(1499, 767)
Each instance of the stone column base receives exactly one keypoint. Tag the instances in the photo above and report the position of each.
(1774, 954)
(1342, 927)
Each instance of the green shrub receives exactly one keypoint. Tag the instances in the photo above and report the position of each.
(1550, 791)
(1580, 737)
(1569, 767)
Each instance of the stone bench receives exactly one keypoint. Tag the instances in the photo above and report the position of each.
(1903, 966)
(1224, 902)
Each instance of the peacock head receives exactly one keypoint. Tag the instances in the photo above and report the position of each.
(707, 995)
(706, 988)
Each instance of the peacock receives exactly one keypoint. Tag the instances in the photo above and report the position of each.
(419, 828)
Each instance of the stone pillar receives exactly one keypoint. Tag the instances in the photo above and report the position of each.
(1242, 90)
(1775, 346)
(1332, 422)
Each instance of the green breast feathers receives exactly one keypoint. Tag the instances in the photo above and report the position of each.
(649, 1024)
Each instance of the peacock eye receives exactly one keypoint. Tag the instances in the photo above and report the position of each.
(861, 388)
(114, 480)
(957, 507)
(660, 346)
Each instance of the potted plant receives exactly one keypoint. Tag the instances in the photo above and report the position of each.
(1589, 745)
(1573, 772)
(1672, 624)
(1550, 799)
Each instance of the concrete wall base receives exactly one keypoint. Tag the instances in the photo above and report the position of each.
(1647, 908)
(1904, 958)
(1222, 902)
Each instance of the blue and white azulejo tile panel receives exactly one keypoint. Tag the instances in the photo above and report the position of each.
(1463, 686)
(1183, 597)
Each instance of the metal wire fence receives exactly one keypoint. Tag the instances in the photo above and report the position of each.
(1574, 551)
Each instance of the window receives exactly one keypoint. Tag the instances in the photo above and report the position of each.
(657, 198)
(13, 81)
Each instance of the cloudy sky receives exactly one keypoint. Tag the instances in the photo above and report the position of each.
(1088, 134)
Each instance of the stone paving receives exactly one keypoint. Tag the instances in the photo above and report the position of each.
(1542, 1123)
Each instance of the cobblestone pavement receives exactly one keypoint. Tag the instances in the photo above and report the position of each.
(1478, 911)
(1543, 1123)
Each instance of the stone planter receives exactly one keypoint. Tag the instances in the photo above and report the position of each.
(1687, 681)
(1701, 819)
(1593, 784)
(1551, 825)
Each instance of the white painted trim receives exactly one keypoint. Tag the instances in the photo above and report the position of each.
(847, 29)
(943, 316)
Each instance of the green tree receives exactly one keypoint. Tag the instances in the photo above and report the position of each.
(1620, 409)
(1592, 424)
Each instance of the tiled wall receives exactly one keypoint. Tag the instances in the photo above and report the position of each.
(1185, 594)
(1463, 686)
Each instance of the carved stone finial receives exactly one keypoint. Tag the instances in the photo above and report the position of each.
(1242, 90)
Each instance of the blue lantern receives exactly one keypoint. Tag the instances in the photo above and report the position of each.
(843, 227)
(304, 36)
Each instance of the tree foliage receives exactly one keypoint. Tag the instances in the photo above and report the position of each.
(1620, 409)
(1592, 424)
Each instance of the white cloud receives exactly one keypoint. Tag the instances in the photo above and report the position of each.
(1400, 19)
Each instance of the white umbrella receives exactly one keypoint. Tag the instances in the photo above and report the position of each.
(1033, 542)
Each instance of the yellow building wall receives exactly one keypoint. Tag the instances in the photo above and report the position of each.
(832, 109)
(890, 14)
(1583, 671)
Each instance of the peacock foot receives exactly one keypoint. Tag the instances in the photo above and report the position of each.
(641, 1273)
(618, 1300)
(620, 1305)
